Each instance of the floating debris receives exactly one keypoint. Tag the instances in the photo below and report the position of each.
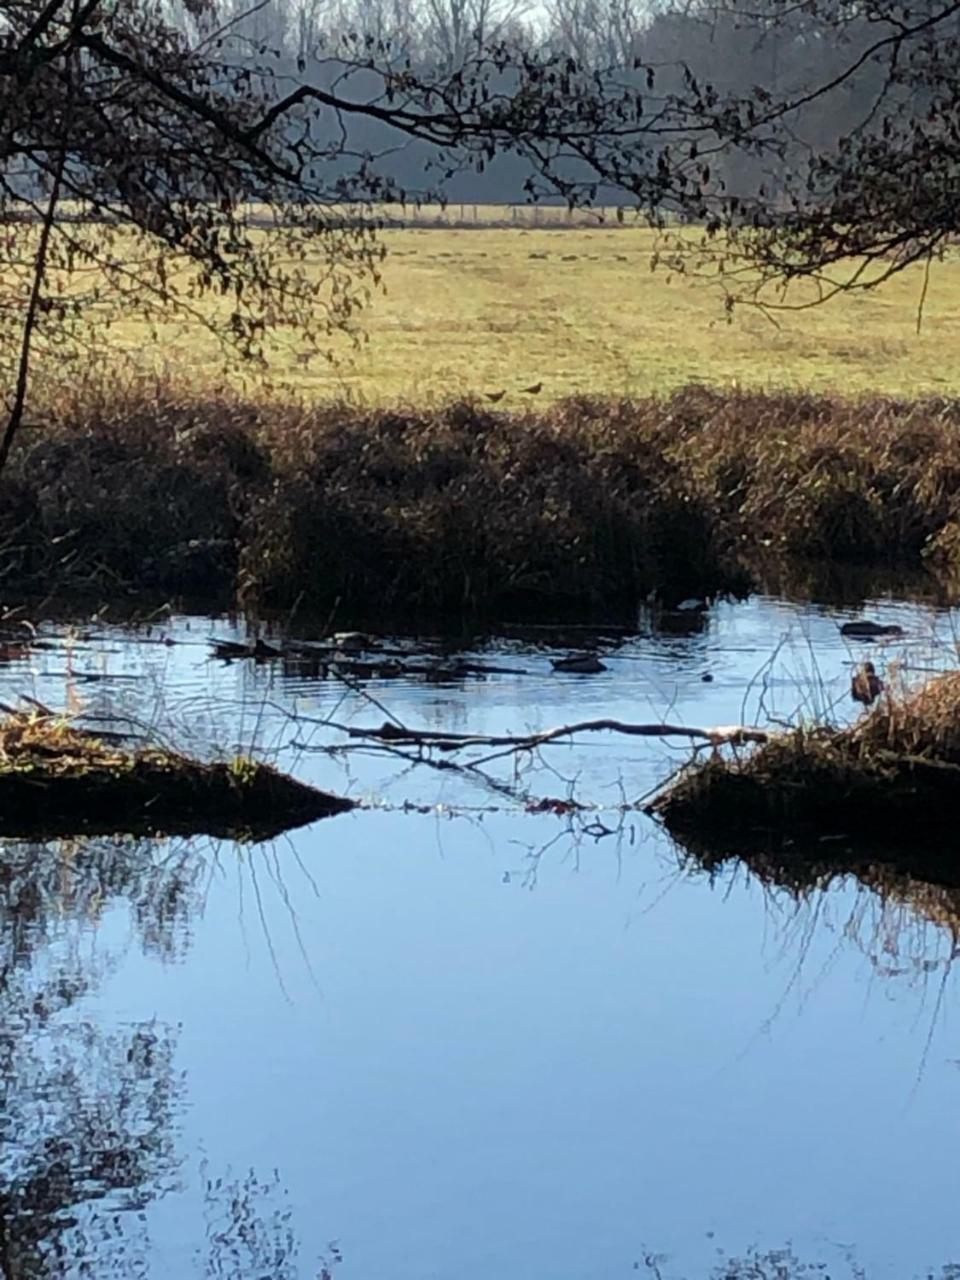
(867, 630)
(691, 605)
(390, 669)
(259, 650)
(353, 641)
(559, 807)
(322, 660)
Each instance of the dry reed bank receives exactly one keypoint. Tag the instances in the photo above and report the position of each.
(582, 508)
(57, 779)
(889, 782)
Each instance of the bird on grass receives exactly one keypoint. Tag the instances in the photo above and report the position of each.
(494, 396)
(866, 686)
(533, 390)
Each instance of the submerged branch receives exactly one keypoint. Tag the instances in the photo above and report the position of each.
(399, 735)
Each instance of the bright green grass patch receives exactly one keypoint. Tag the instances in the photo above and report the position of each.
(468, 312)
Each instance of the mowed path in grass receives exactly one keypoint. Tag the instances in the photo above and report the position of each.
(468, 312)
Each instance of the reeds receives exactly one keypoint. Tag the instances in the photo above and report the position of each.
(583, 508)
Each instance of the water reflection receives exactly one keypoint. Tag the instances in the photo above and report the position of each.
(89, 1112)
(45, 886)
(917, 881)
(520, 1041)
(85, 1117)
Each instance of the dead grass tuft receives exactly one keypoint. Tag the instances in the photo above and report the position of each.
(58, 780)
(893, 776)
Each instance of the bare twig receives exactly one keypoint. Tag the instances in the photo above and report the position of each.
(399, 735)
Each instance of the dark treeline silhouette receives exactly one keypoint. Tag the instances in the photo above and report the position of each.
(735, 46)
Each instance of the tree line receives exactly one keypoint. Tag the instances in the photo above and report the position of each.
(805, 138)
(775, 48)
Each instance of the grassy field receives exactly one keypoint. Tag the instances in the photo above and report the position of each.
(833, 438)
(473, 312)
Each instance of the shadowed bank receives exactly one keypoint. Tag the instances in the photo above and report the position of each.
(57, 780)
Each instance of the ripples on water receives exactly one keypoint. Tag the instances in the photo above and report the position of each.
(470, 1041)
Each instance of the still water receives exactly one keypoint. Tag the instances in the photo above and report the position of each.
(444, 1038)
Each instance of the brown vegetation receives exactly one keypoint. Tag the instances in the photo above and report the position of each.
(892, 778)
(57, 780)
(585, 507)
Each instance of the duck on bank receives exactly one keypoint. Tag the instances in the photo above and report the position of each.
(893, 774)
(866, 686)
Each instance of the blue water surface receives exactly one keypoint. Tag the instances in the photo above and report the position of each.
(445, 1037)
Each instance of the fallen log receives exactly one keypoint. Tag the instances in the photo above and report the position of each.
(57, 780)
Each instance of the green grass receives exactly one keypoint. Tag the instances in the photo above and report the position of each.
(468, 312)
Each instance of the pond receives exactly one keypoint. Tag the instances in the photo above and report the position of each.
(446, 1037)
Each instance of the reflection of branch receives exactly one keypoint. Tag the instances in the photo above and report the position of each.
(7, 1264)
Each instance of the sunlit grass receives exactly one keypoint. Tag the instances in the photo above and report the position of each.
(467, 312)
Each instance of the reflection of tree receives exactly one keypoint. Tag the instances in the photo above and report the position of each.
(41, 885)
(86, 1117)
(87, 1113)
(775, 1264)
(249, 1232)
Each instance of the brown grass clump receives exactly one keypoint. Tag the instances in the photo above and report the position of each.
(465, 510)
(891, 778)
(921, 724)
(581, 508)
(58, 780)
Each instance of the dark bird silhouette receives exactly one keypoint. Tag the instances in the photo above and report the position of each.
(494, 396)
(866, 686)
(867, 630)
(534, 390)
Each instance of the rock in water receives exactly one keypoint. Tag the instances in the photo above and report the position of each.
(584, 664)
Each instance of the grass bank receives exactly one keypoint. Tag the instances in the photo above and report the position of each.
(58, 780)
(582, 508)
(465, 313)
(891, 779)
